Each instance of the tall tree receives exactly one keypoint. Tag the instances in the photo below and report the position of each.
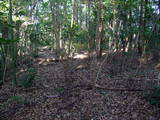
(99, 28)
(75, 12)
(13, 46)
(54, 5)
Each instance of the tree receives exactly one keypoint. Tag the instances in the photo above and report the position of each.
(99, 29)
(75, 12)
(13, 46)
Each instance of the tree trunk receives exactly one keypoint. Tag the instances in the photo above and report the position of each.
(75, 12)
(99, 29)
(13, 45)
(56, 25)
(89, 28)
(113, 39)
(141, 27)
(130, 39)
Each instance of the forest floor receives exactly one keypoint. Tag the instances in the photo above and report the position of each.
(66, 90)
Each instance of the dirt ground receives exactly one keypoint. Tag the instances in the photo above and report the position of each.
(110, 88)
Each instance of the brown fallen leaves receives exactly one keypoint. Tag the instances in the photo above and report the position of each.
(67, 91)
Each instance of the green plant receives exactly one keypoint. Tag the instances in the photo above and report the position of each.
(27, 78)
(59, 89)
(18, 99)
(154, 97)
(14, 99)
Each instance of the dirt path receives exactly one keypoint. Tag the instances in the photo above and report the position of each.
(64, 92)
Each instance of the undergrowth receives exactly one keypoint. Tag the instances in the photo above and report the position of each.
(154, 97)
(27, 78)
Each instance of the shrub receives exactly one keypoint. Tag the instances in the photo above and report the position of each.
(27, 78)
(17, 99)
(154, 97)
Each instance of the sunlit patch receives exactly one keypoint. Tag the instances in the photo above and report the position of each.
(41, 61)
(50, 59)
(80, 56)
(86, 55)
(45, 47)
(104, 53)
(81, 67)
(45, 61)
(21, 71)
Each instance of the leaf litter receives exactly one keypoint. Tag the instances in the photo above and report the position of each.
(66, 90)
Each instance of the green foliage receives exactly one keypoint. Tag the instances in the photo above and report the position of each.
(34, 38)
(154, 97)
(27, 78)
(5, 41)
(70, 32)
(14, 100)
(75, 34)
(59, 89)
(17, 99)
(3, 6)
(34, 54)
(79, 47)
(81, 37)
(20, 12)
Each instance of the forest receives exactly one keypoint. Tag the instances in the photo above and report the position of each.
(79, 59)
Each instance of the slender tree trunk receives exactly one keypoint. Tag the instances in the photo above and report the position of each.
(13, 46)
(144, 26)
(114, 28)
(56, 26)
(37, 29)
(75, 12)
(99, 29)
(80, 16)
(89, 28)
(130, 39)
(141, 27)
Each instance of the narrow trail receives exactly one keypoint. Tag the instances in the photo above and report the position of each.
(64, 92)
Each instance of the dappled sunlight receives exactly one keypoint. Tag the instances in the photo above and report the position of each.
(45, 61)
(79, 60)
(20, 71)
(80, 56)
(83, 55)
